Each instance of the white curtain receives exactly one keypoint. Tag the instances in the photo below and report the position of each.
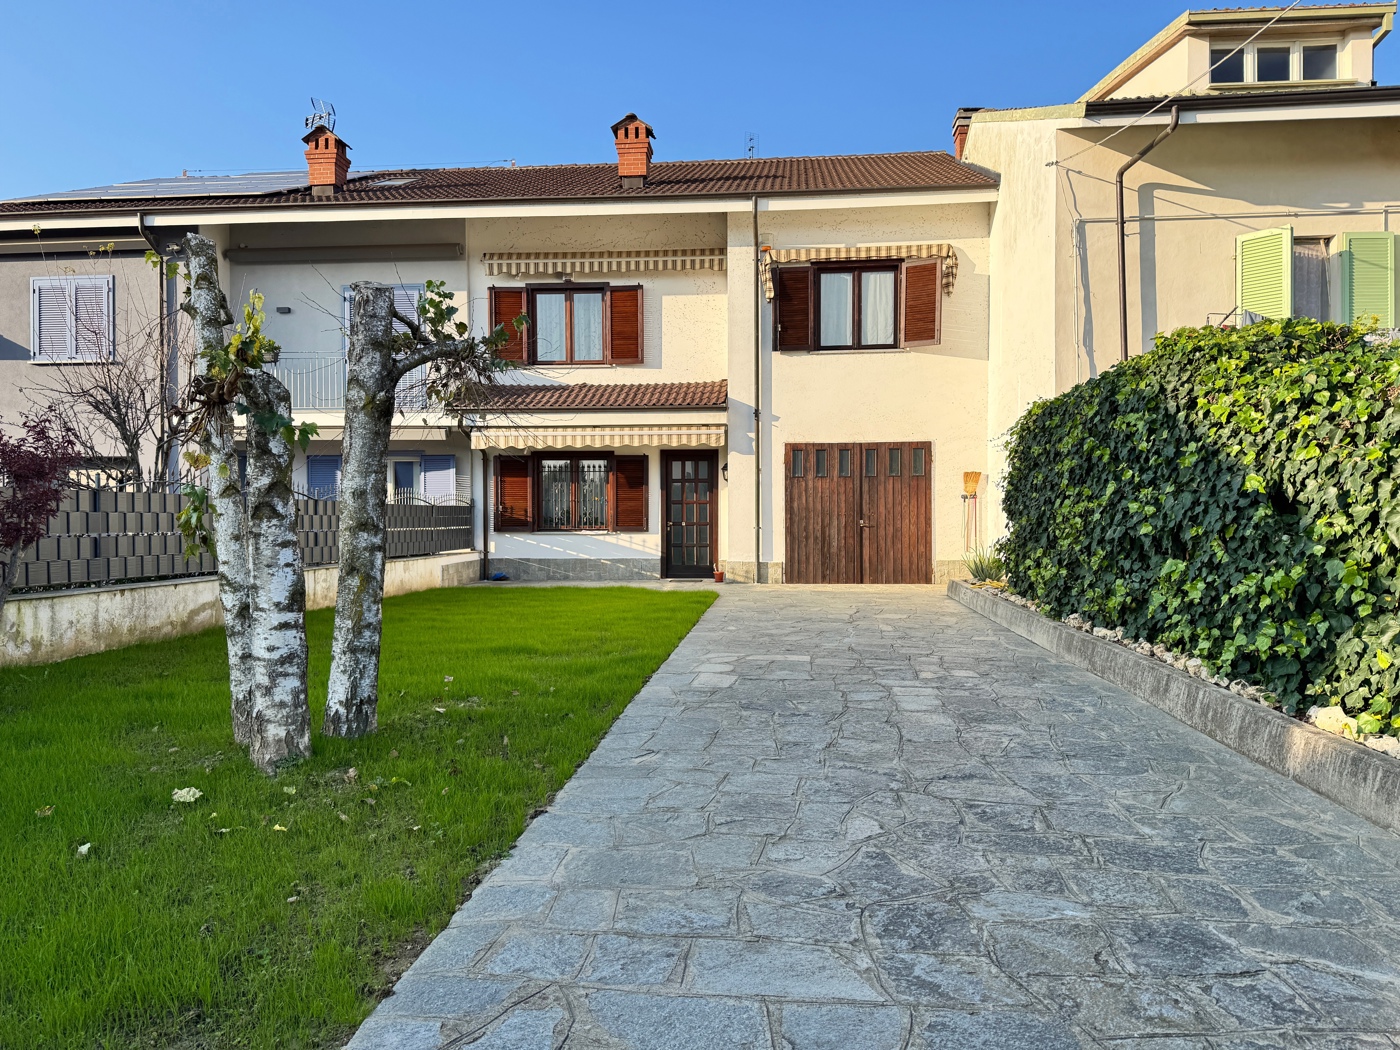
(588, 326)
(548, 322)
(836, 309)
(877, 308)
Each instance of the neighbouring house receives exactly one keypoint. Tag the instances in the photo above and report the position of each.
(797, 369)
(70, 295)
(1275, 194)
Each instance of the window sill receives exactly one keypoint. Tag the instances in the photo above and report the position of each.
(858, 350)
(1234, 87)
(576, 532)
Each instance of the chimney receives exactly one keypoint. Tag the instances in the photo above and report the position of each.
(327, 162)
(961, 123)
(633, 139)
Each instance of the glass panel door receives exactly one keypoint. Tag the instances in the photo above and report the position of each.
(690, 514)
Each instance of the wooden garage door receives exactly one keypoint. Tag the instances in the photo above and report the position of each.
(859, 513)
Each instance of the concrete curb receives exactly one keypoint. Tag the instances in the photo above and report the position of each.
(1363, 781)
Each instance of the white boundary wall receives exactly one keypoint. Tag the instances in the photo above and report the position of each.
(41, 628)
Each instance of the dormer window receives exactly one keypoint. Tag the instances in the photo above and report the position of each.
(1273, 63)
(1320, 62)
(1226, 66)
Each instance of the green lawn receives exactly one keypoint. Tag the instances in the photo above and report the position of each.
(178, 929)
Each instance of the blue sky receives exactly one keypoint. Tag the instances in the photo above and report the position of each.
(104, 92)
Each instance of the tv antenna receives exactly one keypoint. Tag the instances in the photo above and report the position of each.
(324, 115)
(751, 145)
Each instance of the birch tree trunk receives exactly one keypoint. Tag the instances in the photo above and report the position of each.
(371, 378)
(211, 316)
(279, 714)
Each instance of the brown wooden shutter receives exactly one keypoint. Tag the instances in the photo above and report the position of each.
(923, 303)
(630, 496)
(506, 305)
(792, 308)
(514, 494)
(625, 324)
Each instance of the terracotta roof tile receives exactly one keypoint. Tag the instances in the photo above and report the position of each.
(576, 396)
(679, 178)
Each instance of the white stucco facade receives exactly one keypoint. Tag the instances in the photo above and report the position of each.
(1033, 309)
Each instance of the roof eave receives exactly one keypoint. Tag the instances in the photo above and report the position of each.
(536, 410)
(203, 208)
(1278, 99)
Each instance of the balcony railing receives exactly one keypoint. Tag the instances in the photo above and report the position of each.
(318, 383)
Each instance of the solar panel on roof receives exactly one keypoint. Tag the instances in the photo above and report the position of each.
(250, 184)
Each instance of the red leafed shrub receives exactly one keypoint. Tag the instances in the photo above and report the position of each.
(36, 459)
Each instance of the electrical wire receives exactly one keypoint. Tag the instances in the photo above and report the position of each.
(1179, 91)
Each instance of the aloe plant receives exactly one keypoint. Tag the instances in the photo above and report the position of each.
(985, 566)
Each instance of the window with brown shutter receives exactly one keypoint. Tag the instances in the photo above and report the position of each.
(506, 305)
(514, 494)
(854, 305)
(923, 303)
(625, 324)
(792, 308)
(630, 499)
(584, 324)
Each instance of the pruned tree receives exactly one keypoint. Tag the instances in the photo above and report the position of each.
(377, 359)
(129, 404)
(122, 401)
(253, 533)
(223, 496)
(34, 471)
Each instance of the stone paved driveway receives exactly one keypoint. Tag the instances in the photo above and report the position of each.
(869, 819)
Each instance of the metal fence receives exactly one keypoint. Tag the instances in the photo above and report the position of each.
(413, 530)
(100, 536)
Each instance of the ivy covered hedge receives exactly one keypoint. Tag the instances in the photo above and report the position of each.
(1232, 494)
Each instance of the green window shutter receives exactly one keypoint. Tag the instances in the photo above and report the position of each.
(1367, 263)
(1264, 272)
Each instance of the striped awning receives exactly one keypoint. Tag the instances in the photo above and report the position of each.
(777, 256)
(697, 435)
(523, 264)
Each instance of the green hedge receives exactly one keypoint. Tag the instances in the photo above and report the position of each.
(1231, 494)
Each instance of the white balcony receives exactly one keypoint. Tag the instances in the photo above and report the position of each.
(318, 384)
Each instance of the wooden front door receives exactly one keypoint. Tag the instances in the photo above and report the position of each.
(859, 513)
(688, 541)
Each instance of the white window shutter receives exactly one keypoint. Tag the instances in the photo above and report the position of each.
(92, 319)
(413, 388)
(406, 298)
(50, 321)
(72, 318)
(1264, 272)
(347, 299)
